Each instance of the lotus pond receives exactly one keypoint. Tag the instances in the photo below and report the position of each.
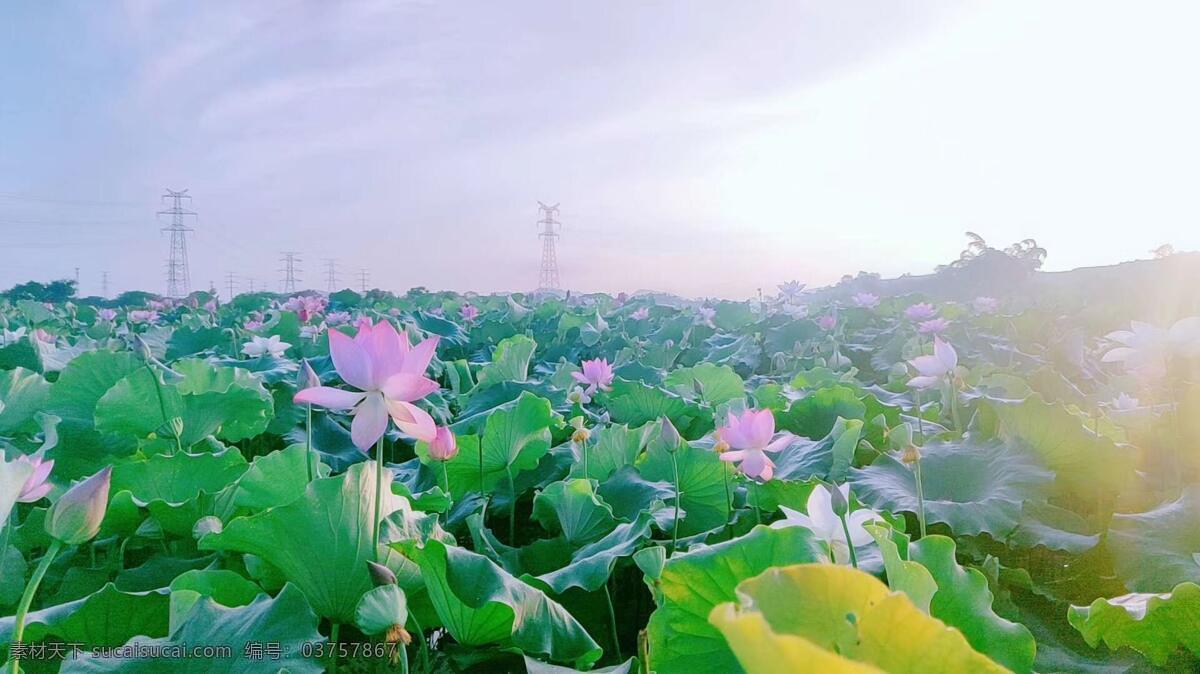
(436, 483)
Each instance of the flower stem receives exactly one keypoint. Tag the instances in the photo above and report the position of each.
(728, 503)
(446, 479)
(920, 419)
(678, 498)
(419, 633)
(920, 496)
(378, 492)
(308, 455)
(612, 622)
(333, 647)
(512, 507)
(849, 543)
(27, 599)
(952, 391)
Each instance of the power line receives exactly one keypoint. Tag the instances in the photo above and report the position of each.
(230, 280)
(14, 196)
(548, 272)
(179, 281)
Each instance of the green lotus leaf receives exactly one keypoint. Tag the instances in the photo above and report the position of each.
(277, 478)
(591, 565)
(635, 403)
(73, 398)
(572, 507)
(814, 415)
(827, 458)
(137, 406)
(286, 620)
(479, 603)
(628, 493)
(245, 407)
(1156, 550)
(964, 601)
(108, 617)
(516, 437)
(851, 622)
(1155, 625)
(510, 362)
(693, 583)
(1052, 527)
(971, 487)
(181, 488)
(713, 384)
(702, 480)
(1083, 460)
(13, 572)
(610, 449)
(221, 585)
(22, 393)
(321, 542)
(903, 575)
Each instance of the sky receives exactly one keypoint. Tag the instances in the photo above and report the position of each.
(699, 147)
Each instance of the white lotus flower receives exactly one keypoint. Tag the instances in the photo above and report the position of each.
(1124, 403)
(825, 524)
(932, 369)
(1146, 349)
(263, 346)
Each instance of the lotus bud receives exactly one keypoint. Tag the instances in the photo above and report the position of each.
(837, 501)
(75, 517)
(444, 445)
(669, 435)
(698, 387)
(306, 377)
(380, 574)
(207, 525)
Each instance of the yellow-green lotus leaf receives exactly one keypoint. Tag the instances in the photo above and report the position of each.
(831, 618)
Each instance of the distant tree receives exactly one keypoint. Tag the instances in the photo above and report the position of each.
(1026, 251)
(1165, 250)
(133, 298)
(54, 291)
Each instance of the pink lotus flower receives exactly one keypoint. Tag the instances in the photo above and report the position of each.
(865, 300)
(334, 318)
(444, 445)
(931, 369)
(596, 374)
(211, 306)
(143, 316)
(43, 336)
(306, 306)
(933, 326)
(106, 315)
(922, 311)
(640, 314)
(827, 322)
(390, 375)
(986, 305)
(752, 435)
(36, 485)
(469, 312)
(707, 314)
